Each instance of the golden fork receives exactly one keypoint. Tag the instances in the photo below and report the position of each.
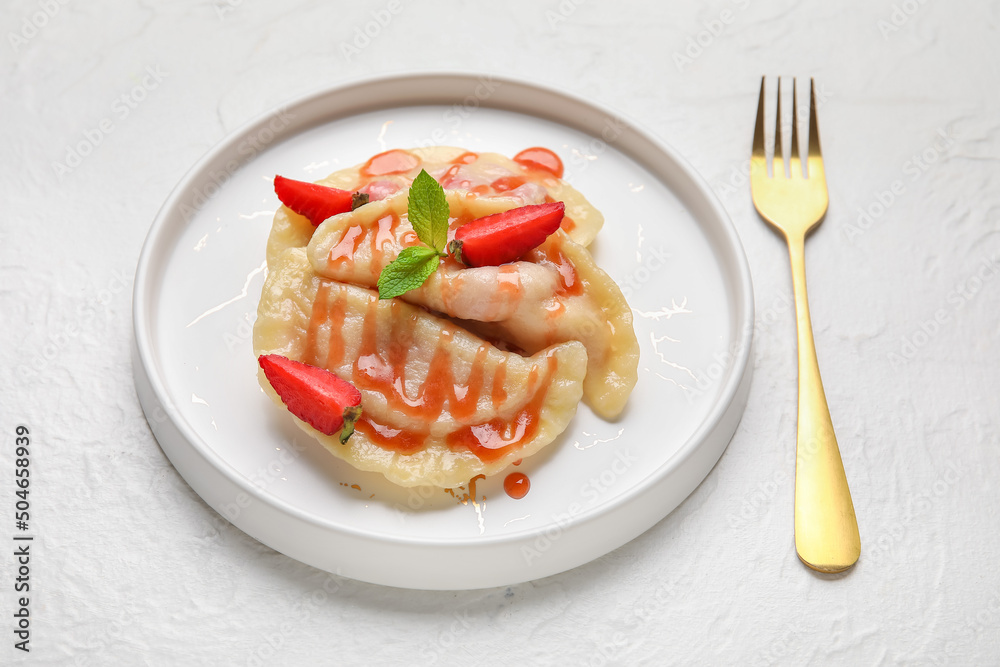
(826, 528)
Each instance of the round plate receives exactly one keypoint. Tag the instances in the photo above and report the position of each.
(666, 241)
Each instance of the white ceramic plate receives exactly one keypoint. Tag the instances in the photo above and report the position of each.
(667, 241)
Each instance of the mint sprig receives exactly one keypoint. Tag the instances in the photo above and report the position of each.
(428, 214)
(408, 271)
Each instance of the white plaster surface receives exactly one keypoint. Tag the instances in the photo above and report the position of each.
(130, 567)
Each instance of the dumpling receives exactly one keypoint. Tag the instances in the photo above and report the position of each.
(556, 293)
(487, 175)
(440, 405)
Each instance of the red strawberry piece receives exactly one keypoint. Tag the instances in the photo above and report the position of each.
(314, 395)
(504, 237)
(316, 202)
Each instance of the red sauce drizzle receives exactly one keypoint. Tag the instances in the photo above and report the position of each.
(382, 369)
(555, 309)
(394, 439)
(373, 372)
(335, 345)
(516, 485)
(466, 397)
(409, 238)
(499, 393)
(540, 158)
(490, 441)
(380, 189)
(391, 162)
(508, 281)
(343, 253)
(505, 183)
(448, 177)
(451, 181)
(467, 157)
(386, 233)
(472, 488)
(319, 314)
(569, 282)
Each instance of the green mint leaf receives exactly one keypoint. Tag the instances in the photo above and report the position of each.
(428, 211)
(408, 271)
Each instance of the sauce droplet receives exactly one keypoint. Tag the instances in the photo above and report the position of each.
(505, 183)
(516, 485)
(540, 158)
(391, 162)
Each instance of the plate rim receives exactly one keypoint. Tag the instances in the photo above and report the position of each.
(151, 385)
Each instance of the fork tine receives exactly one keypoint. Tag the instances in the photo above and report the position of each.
(794, 161)
(779, 146)
(759, 150)
(814, 151)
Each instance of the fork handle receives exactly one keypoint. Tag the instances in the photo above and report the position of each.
(826, 528)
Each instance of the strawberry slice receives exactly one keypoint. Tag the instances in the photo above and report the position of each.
(504, 237)
(314, 395)
(316, 202)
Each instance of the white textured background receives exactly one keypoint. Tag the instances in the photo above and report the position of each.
(131, 567)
